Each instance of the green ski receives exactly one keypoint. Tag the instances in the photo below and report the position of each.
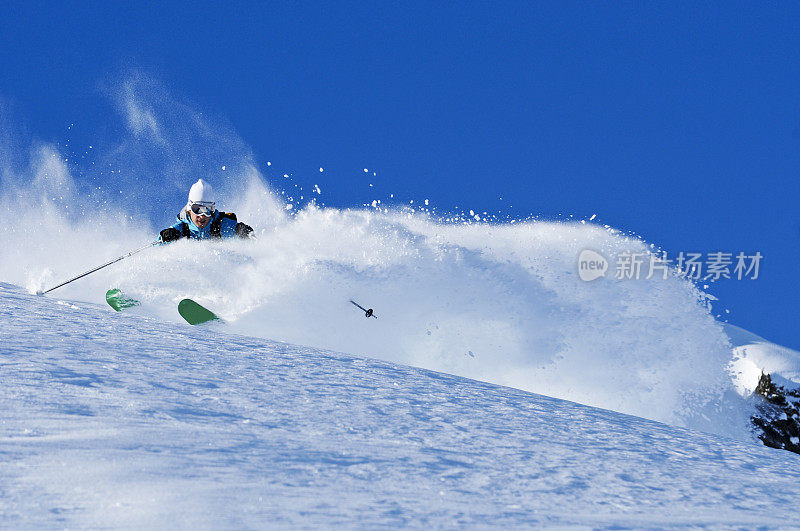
(194, 313)
(118, 300)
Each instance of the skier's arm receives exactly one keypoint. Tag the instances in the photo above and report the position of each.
(230, 228)
(170, 234)
(243, 230)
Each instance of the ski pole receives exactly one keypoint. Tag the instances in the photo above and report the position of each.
(367, 313)
(98, 268)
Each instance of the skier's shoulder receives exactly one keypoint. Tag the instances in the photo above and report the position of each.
(229, 216)
(226, 220)
(223, 224)
(183, 224)
(181, 219)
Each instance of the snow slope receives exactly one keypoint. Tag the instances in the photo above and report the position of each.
(121, 420)
(497, 302)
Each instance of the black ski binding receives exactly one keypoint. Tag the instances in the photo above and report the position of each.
(367, 312)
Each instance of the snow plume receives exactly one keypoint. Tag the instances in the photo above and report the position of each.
(496, 302)
(140, 116)
(169, 143)
(69, 216)
(53, 226)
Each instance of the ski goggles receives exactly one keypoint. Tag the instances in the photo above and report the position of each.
(201, 209)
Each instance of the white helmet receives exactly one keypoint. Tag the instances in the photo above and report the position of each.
(201, 192)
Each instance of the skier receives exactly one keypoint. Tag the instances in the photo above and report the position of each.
(200, 219)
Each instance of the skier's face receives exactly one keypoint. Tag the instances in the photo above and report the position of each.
(199, 220)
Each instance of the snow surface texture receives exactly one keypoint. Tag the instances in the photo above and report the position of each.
(500, 303)
(120, 420)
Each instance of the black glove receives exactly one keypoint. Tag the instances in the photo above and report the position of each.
(243, 230)
(170, 234)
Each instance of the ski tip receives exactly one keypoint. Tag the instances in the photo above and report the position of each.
(194, 313)
(119, 301)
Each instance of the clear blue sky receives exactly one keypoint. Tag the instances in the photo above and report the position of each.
(680, 121)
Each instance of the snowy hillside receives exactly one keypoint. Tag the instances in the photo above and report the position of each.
(121, 420)
(499, 302)
(754, 354)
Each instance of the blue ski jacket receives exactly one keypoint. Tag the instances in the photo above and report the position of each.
(222, 225)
